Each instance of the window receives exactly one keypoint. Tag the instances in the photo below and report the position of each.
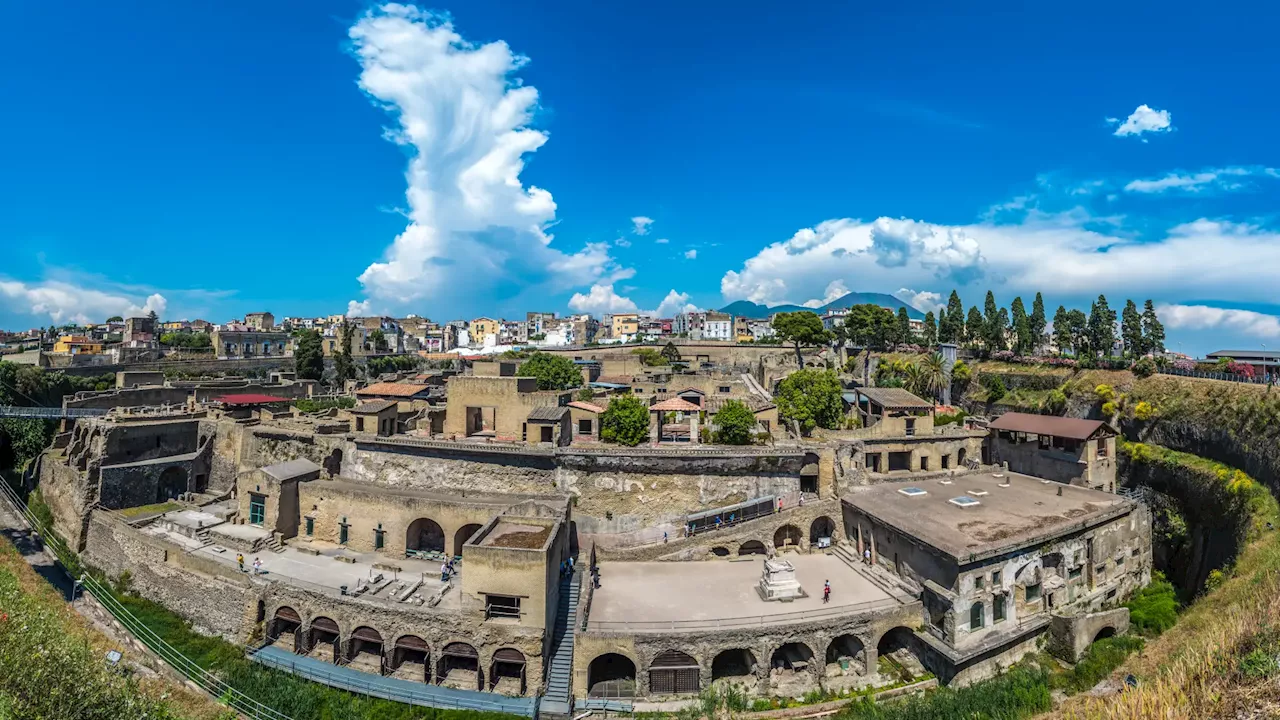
(723, 389)
(359, 424)
(1102, 448)
(1120, 561)
(379, 539)
(976, 619)
(257, 509)
(311, 526)
(911, 426)
(979, 582)
(1033, 592)
(584, 427)
(501, 606)
(1100, 569)
(997, 608)
(343, 531)
(995, 578)
(924, 463)
(946, 462)
(1111, 594)
(1073, 573)
(1134, 552)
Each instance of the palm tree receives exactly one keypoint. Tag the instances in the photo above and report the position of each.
(913, 379)
(933, 370)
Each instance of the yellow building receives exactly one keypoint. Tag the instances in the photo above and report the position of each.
(77, 345)
(483, 327)
(625, 324)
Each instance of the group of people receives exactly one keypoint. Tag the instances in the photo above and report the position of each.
(566, 567)
(257, 564)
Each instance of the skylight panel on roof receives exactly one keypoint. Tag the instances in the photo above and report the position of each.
(964, 501)
(913, 491)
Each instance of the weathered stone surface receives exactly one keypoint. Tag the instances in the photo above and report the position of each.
(1070, 637)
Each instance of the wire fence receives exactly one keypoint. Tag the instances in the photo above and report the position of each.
(750, 621)
(210, 683)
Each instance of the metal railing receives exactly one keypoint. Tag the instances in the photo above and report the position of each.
(206, 681)
(1262, 379)
(656, 626)
(49, 413)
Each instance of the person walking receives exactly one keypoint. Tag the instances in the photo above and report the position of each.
(257, 566)
(444, 572)
(240, 561)
(866, 556)
(826, 592)
(571, 561)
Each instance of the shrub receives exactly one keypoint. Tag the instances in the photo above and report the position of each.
(956, 417)
(1056, 401)
(625, 421)
(994, 386)
(1241, 369)
(1154, 608)
(553, 371)
(1099, 660)
(961, 373)
(734, 423)
(1105, 393)
(1144, 411)
(1109, 408)
(309, 405)
(1144, 368)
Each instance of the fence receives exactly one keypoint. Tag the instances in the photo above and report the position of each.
(49, 413)
(210, 683)
(751, 621)
(1265, 379)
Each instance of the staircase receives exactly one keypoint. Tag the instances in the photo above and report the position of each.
(275, 545)
(849, 557)
(558, 699)
(203, 538)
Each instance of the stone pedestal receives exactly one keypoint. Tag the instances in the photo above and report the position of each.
(778, 582)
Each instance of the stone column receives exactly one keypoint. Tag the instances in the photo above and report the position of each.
(655, 427)
(871, 655)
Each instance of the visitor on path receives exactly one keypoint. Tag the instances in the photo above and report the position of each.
(240, 561)
(444, 572)
(257, 566)
(866, 556)
(664, 537)
(826, 591)
(571, 564)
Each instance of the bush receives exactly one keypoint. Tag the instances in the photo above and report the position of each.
(994, 386)
(1105, 392)
(1109, 408)
(650, 357)
(625, 421)
(734, 423)
(1144, 411)
(1056, 401)
(1021, 692)
(553, 371)
(961, 373)
(812, 399)
(1099, 660)
(1144, 368)
(1154, 608)
(309, 405)
(956, 417)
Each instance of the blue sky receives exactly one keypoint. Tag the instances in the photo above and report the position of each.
(212, 159)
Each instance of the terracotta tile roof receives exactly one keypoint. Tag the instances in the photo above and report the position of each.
(1050, 425)
(674, 404)
(249, 399)
(589, 407)
(394, 389)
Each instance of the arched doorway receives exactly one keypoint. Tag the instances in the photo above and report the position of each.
(846, 654)
(461, 537)
(961, 454)
(737, 663)
(411, 659)
(751, 547)
(720, 551)
(790, 669)
(674, 673)
(283, 629)
(172, 483)
(364, 650)
(611, 676)
(459, 667)
(1105, 633)
(821, 527)
(322, 640)
(424, 535)
(333, 462)
(899, 656)
(506, 674)
(787, 536)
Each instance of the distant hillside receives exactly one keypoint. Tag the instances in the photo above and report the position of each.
(755, 310)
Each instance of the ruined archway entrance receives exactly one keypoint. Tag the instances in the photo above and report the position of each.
(322, 640)
(846, 655)
(411, 659)
(787, 537)
(751, 547)
(674, 673)
(461, 537)
(822, 527)
(283, 629)
(790, 669)
(459, 667)
(1105, 633)
(172, 483)
(899, 655)
(611, 676)
(506, 674)
(424, 535)
(738, 663)
(364, 650)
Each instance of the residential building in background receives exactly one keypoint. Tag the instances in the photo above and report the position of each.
(687, 324)
(716, 326)
(77, 345)
(260, 321)
(481, 329)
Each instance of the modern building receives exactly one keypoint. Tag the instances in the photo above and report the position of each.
(481, 329)
(77, 345)
(1065, 450)
(241, 342)
(260, 321)
(716, 326)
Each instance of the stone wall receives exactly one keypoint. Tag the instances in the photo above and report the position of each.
(1070, 637)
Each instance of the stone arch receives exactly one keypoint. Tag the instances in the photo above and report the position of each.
(172, 483)
(464, 534)
(611, 675)
(821, 527)
(333, 462)
(900, 651)
(459, 666)
(792, 669)
(787, 536)
(1105, 633)
(751, 547)
(283, 628)
(424, 535)
(410, 658)
(674, 672)
(365, 649)
(846, 651)
(323, 637)
(720, 551)
(507, 669)
(734, 663)
(961, 455)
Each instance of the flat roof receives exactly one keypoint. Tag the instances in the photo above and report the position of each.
(894, 398)
(1050, 425)
(1028, 511)
(291, 469)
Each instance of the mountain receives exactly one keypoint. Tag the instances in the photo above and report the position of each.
(755, 310)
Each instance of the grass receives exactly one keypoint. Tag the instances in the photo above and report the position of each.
(1016, 694)
(52, 661)
(1099, 660)
(156, 509)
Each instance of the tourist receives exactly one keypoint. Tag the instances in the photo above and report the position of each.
(240, 561)
(571, 564)
(826, 591)
(257, 566)
(866, 556)
(444, 572)
(664, 537)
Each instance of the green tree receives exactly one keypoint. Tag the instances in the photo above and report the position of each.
(1062, 331)
(1102, 327)
(811, 399)
(151, 315)
(974, 328)
(734, 423)
(625, 421)
(671, 352)
(1037, 323)
(930, 336)
(1000, 338)
(344, 368)
(902, 327)
(801, 328)
(993, 328)
(933, 375)
(378, 340)
(1022, 340)
(553, 371)
(1152, 329)
(308, 357)
(870, 326)
(1131, 329)
(115, 318)
(951, 324)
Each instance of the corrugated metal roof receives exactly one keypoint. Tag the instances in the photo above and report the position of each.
(551, 413)
(373, 407)
(894, 398)
(394, 389)
(1050, 425)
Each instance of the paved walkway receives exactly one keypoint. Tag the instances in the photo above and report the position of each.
(405, 691)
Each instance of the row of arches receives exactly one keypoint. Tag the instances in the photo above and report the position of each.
(408, 657)
(787, 536)
(426, 535)
(674, 672)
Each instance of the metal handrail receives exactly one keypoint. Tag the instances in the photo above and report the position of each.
(739, 622)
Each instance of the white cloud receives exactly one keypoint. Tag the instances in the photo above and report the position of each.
(835, 290)
(640, 224)
(359, 309)
(674, 304)
(1070, 255)
(1143, 120)
(1203, 317)
(690, 254)
(622, 242)
(661, 241)
(466, 120)
(64, 302)
(601, 299)
(924, 300)
(1226, 179)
